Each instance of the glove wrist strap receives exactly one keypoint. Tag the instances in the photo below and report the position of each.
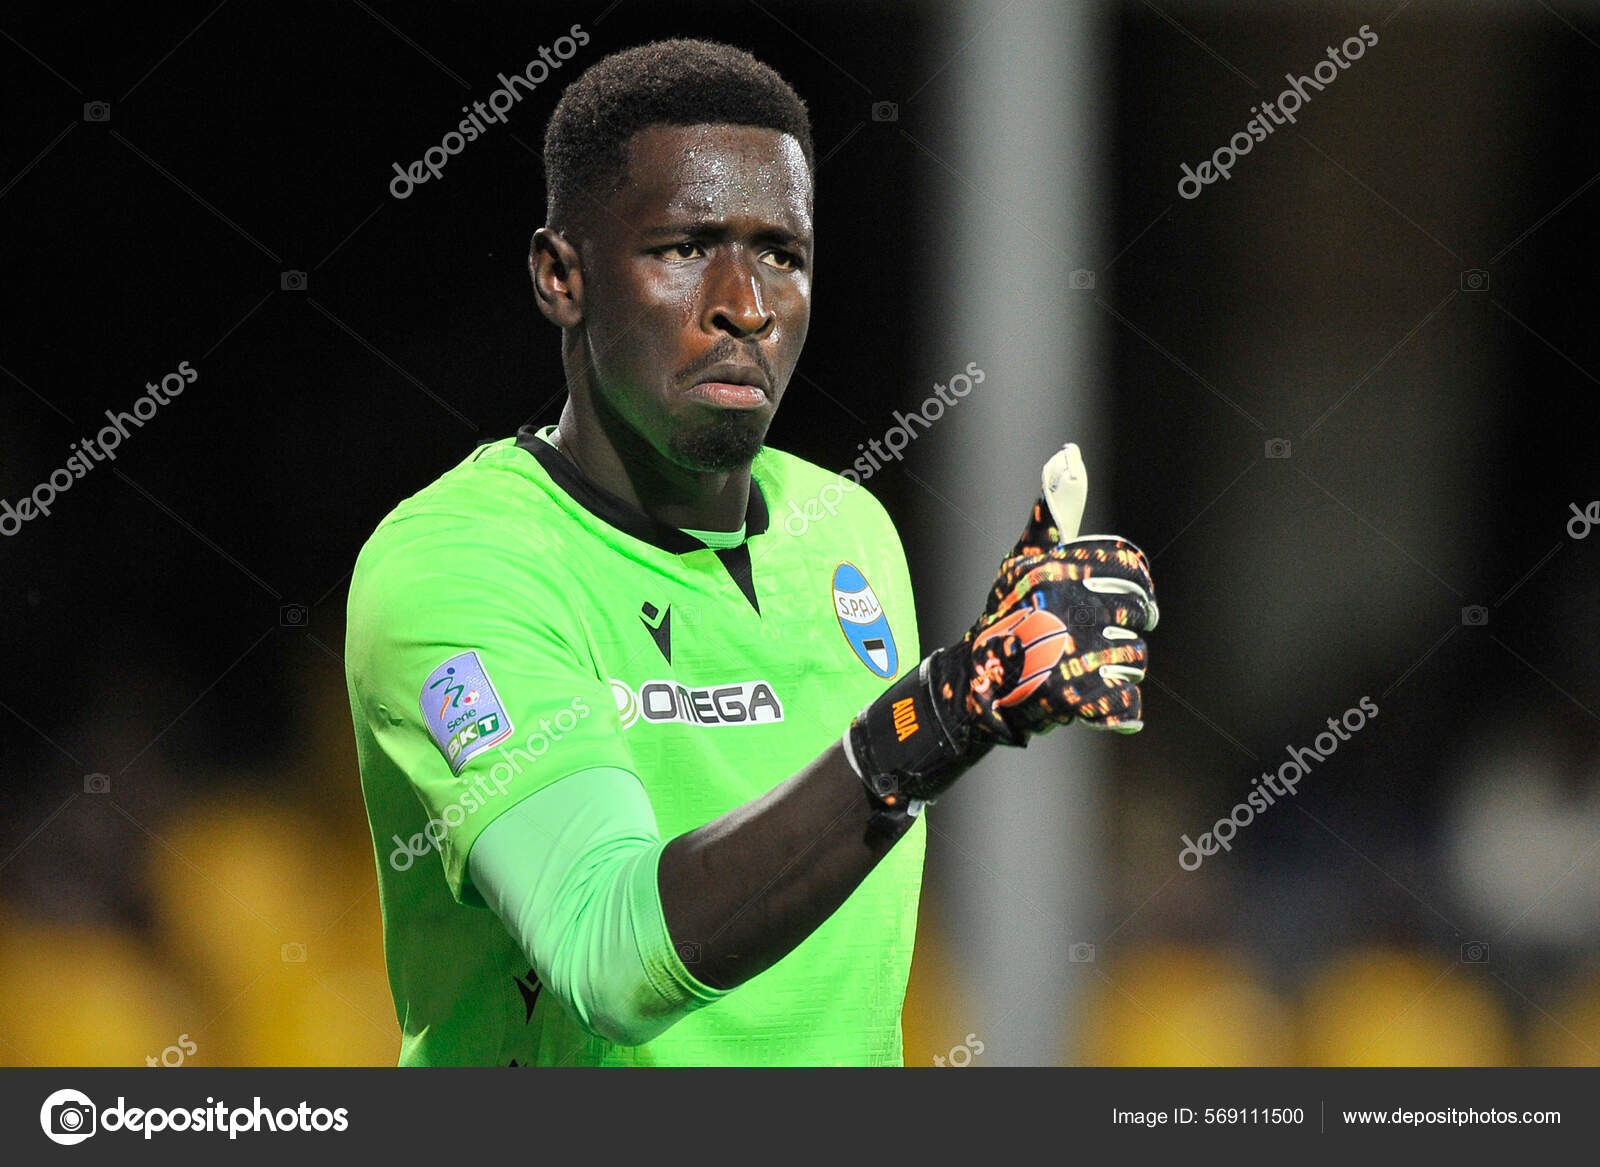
(908, 746)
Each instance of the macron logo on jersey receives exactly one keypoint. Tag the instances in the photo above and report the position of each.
(462, 711)
(742, 703)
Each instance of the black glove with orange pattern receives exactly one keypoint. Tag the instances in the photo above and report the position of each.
(1059, 640)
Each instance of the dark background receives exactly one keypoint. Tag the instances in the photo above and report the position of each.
(176, 624)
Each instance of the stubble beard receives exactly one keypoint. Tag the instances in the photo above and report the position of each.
(728, 443)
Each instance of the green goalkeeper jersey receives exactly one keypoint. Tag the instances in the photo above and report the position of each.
(512, 624)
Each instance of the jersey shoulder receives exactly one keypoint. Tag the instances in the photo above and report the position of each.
(491, 510)
(805, 493)
(496, 474)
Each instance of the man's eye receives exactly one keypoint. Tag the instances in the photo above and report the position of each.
(782, 260)
(684, 251)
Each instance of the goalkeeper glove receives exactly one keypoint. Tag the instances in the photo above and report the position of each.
(1058, 639)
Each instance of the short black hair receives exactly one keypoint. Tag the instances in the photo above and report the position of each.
(671, 82)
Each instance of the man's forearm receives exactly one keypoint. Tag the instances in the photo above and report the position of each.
(739, 893)
(742, 891)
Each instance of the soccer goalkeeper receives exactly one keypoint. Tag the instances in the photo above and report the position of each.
(635, 799)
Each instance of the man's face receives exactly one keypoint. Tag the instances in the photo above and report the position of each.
(697, 289)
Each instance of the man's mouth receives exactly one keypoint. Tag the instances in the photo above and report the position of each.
(732, 386)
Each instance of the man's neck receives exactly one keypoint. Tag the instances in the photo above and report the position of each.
(686, 499)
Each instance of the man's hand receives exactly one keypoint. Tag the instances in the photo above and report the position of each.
(1059, 636)
(1058, 639)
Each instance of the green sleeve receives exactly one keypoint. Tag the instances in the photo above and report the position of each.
(431, 596)
(571, 872)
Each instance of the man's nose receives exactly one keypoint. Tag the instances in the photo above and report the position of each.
(735, 304)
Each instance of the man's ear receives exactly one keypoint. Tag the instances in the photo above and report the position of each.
(557, 277)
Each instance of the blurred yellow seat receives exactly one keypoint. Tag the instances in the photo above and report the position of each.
(1176, 1005)
(276, 922)
(86, 996)
(1391, 1007)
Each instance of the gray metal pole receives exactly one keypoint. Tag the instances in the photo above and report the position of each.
(1017, 849)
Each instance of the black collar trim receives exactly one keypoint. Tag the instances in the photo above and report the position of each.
(606, 506)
